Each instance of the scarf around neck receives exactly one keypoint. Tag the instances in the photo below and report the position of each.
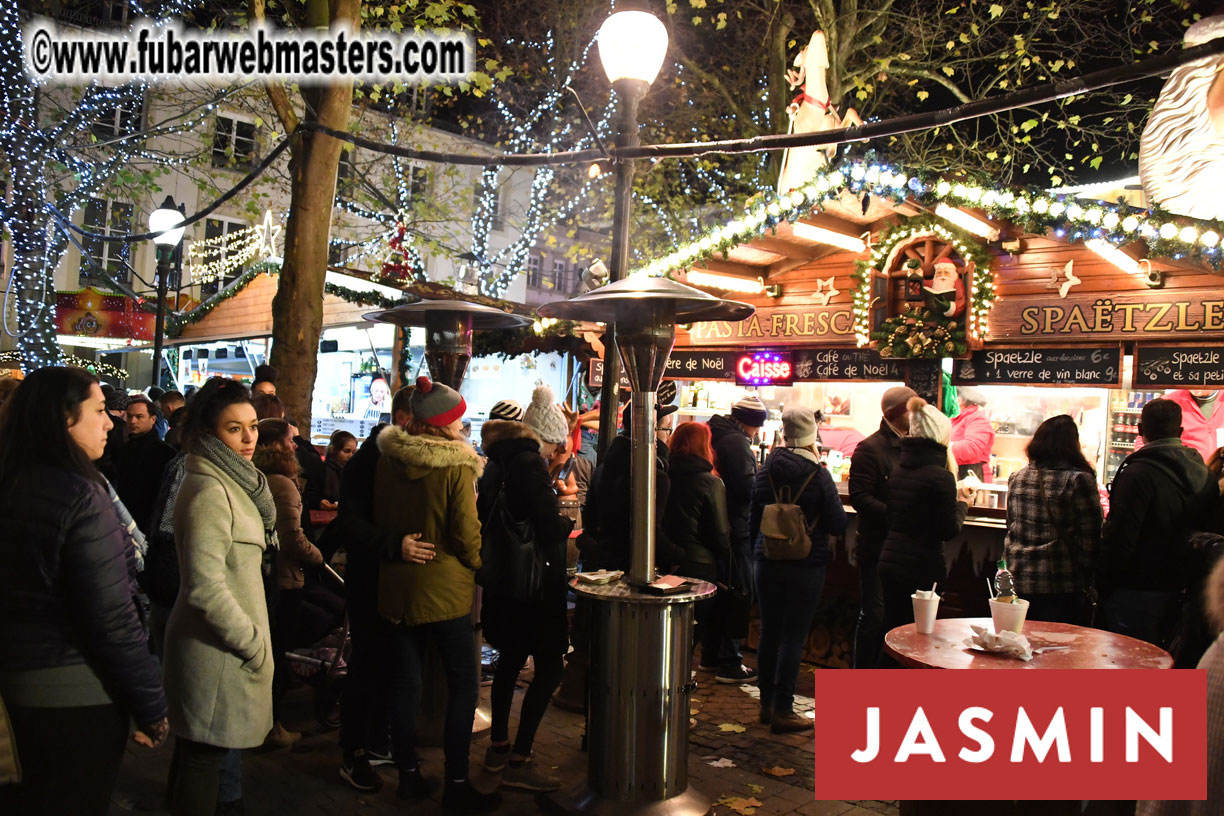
(246, 476)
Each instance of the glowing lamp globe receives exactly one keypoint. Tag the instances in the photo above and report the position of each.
(632, 45)
(165, 220)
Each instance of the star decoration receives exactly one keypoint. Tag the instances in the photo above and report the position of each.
(266, 235)
(825, 291)
(1063, 280)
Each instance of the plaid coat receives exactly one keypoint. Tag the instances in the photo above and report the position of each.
(1053, 529)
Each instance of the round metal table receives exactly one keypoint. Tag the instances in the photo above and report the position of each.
(1055, 646)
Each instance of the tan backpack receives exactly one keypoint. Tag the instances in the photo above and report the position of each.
(785, 533)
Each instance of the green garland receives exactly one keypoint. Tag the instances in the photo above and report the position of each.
(919, 333)
(1031, 209)
(175, 323)
(506, 343)
(95, 366)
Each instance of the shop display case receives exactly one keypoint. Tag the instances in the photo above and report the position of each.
(1124, 410)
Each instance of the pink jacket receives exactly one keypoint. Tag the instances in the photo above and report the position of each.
(972, 437)
(1198, 431)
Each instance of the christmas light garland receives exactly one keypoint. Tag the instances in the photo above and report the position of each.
(1031, 209)
(97, 367)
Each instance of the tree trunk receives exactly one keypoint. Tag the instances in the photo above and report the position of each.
(297, 309)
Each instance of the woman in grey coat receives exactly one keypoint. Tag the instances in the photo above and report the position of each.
(218, 648)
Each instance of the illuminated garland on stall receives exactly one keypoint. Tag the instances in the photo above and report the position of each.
(1032, 210)
(968, 247)
(97, 367)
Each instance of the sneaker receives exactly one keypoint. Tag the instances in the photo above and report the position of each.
(703, 667)
(527, 777)
(495, 759)
(377, 758)
(790, 723)
(461, 797)
(355, 769)
(735, 676)
(413, 785)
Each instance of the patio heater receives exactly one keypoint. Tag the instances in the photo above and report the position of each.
(638, 731)
(448, 328)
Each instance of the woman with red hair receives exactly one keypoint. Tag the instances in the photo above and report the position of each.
(696, 521)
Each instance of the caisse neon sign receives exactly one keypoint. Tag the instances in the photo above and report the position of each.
(764, 368)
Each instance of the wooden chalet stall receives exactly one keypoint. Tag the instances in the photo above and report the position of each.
(1040, 321)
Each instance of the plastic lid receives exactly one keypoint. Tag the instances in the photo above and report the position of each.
(1002, 563)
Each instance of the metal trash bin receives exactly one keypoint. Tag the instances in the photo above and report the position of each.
(639, 708)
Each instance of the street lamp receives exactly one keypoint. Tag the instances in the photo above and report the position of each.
(632, 46)
(165, 221)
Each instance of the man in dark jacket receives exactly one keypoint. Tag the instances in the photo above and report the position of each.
(1158, 498)
(140, 462)
(366, 695)
(874, 460)
(116, 406)
(737, 465)
(606, 516)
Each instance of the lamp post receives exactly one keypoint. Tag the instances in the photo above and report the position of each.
(632, 45)
(165, 221)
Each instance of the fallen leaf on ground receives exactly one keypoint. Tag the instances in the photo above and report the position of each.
(742, 806)
(755, 789)
(721, 762)
(693, 712)
(777, 771)
(732, 727)
(692, 723)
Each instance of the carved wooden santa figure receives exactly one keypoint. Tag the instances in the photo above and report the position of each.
(945, 294)
(1181, 153)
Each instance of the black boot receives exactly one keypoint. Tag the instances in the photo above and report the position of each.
(412, 785)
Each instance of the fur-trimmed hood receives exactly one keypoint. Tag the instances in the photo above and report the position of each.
(419, 454)
(499, 430)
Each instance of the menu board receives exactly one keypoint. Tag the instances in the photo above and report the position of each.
(810, 365)
(1179, 367)
(694, 364)
(1101, 366)
(926, 378)
(595, 375)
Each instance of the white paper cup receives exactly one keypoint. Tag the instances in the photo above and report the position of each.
(925, 610)
(1008, 617)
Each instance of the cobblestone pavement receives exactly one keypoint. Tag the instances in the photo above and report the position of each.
(304, 781)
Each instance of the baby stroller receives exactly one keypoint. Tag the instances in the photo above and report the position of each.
(324, 664)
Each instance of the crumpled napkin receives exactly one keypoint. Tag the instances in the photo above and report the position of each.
(1007, 643)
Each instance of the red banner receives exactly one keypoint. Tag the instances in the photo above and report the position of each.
(1011, 735)
(91, 313)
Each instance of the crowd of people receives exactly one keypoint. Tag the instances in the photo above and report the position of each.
(161, 562)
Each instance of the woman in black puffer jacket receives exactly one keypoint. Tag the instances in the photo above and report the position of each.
(76, 661)
(924, 511)
(696, 523)
(788, 591)
(518, 464)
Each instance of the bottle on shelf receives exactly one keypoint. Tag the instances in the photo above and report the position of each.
(1005, 587)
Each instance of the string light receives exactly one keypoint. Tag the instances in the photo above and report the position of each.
(1031, 208)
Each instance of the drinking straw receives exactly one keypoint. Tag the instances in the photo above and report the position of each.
(933, 585)
(989, 589)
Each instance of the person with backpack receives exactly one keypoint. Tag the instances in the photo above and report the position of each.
(523, 617)
(924, 511)
(795, 508)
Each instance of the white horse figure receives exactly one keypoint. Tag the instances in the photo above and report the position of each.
(810, 112)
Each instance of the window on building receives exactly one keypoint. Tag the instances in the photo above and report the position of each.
(419, 183)
(533, 271)
(557, 279)
(219, 264)
(119, 118)
(233, 143)
(106, 218)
